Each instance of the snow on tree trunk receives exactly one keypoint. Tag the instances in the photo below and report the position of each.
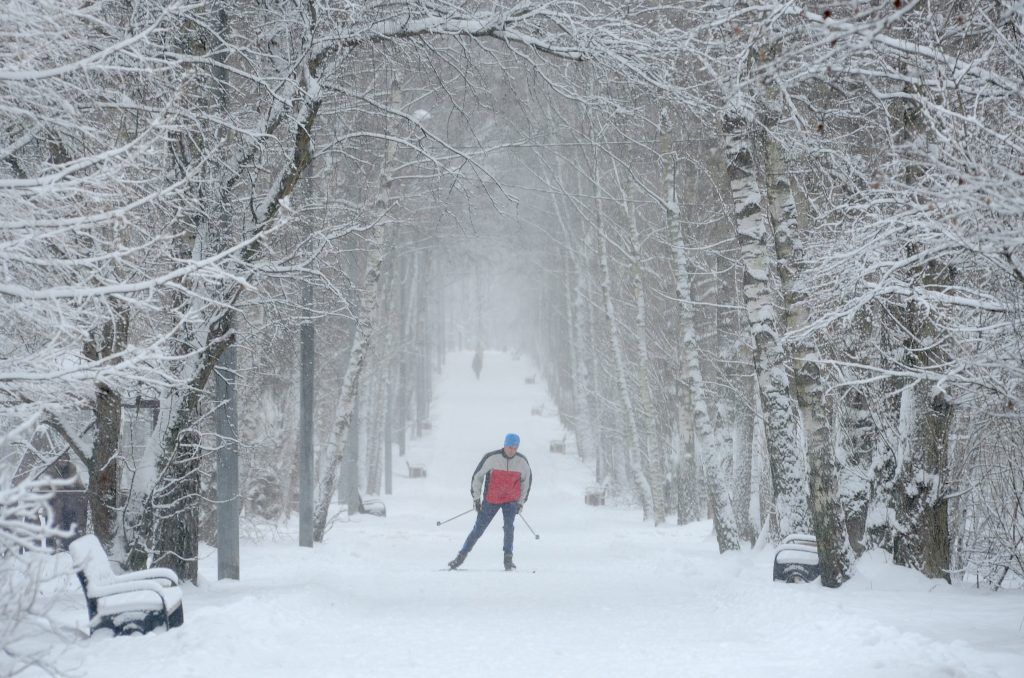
(742, 474)
(653, 454)
(922, 509)
(375, 435)
(575, 282)
(924, 512)
(789, 479)
(581, 374)
(634, 450)
(921, 505)
(684, 469)
(368, 300)
(706, 442)
(103, 463)
(834, 553)
(855, 433)
(610, 467)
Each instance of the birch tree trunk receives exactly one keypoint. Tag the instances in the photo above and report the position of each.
(789, 479)
(635, 473)
(368, 300)
(742, 474)
(575, 293)
(581, 382)
(375, 432)
(705, 439)
(856, 434)
(835, 556)
(652, 454)
(606, 464)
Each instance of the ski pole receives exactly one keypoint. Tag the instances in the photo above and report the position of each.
(442, 522)
(536, 536)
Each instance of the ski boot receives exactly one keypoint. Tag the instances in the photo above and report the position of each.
(459, 559)
(509, 565)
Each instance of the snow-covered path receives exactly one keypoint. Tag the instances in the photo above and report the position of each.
(600, 594)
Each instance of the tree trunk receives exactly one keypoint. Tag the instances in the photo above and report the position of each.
(922, 541)
(653, 453)
(575, 301)
(856, 435)
(706, 442)
(789, 478)
(634, 450)
(350, 386)
(104, 471)
(742, 478)
(834, 554)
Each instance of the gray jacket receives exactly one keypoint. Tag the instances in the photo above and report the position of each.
(497, 460)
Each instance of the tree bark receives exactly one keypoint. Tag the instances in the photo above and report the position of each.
(350, 386)
(632, 454)
(104, 472)
(789, 478)
(706, 442)
(835, 556)
(652, 454)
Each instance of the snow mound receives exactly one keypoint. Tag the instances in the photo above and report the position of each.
(875, 571)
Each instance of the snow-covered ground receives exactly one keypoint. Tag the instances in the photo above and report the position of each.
(599, 594)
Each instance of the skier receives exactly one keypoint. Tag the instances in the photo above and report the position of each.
(502, 479)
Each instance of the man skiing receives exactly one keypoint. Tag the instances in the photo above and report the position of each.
(502, 479)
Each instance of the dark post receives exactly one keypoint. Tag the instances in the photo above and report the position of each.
(400, 413)
(226, 416)
(228, 502)
(388, 423)
(306, 421)
(350, 464)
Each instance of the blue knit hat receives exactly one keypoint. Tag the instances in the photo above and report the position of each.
(511, 440)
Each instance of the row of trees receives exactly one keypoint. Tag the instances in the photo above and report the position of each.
(179, 178)
(785, 282)
(799, 292)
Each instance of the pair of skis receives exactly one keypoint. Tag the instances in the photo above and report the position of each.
(462, 569)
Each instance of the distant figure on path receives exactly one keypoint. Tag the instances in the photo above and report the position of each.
(478, 362)
(502, 479)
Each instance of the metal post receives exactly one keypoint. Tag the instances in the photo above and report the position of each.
(306, 348)
(228, 502)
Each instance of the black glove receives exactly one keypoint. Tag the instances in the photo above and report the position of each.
(519, 507)
(476, 505)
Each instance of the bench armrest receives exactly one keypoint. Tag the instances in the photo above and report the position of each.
(156, 573)
(169, 597)
(112, 588)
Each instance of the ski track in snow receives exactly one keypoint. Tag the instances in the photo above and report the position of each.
(611, 596)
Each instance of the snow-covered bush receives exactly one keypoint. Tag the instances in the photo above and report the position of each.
(25, 530)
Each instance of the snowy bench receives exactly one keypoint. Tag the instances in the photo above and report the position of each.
(537, 410)
(594, 496)
(416, 470)
(557, 447)
(796, 559)
(134, 602)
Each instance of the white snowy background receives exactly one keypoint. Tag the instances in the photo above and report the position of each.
(599, 594)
